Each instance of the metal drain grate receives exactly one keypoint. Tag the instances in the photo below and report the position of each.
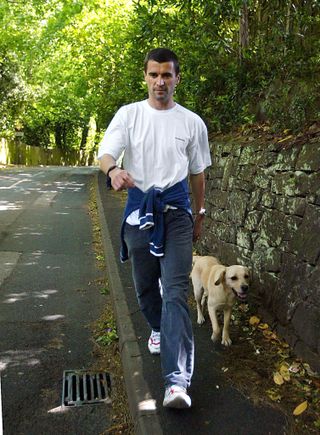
(85, 388)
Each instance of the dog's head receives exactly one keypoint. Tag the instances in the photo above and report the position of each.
(237, 278)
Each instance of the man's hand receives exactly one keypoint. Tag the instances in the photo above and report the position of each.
(198, 187)
(120, 179)
(197, 228)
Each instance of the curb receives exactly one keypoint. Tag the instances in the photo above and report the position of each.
(142, 405)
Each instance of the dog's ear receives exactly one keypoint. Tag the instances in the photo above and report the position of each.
(220, 277)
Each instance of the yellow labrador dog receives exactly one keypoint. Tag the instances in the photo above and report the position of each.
(221, 285)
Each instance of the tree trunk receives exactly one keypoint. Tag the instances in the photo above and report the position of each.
(58, 135)
(84, 136)
(243, 30)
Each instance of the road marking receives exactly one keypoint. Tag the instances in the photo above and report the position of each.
(38, 173)
(14, 184)
(8, 261)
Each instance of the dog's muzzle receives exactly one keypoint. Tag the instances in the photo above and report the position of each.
(242, 295)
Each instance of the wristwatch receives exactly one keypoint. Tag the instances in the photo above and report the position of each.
(111, 169)
(202, 211)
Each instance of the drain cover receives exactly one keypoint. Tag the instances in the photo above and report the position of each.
(85, 388)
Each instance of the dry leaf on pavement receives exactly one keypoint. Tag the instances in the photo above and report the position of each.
(300, 408)
(254, 320)
(274, 395)
(277, 378)
(284, 371)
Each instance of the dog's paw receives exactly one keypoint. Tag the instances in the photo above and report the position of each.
(215, 337)
(226, 341)
(200, 319)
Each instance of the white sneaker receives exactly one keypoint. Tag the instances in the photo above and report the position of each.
(154, 343)
(176, 397)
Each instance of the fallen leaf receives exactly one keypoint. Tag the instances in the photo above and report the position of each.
(268, 334)
(263, 326)
(294, 368)
(300, 408)
(284, 371)
(254, 320)
(283, 354)
(285, 138)
(274, 395)
(277, 378)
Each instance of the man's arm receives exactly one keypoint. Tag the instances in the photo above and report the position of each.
(197, 182)
(120, 179)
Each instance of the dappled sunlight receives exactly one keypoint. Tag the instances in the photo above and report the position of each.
(35, 230)
(69, 185)
(15, 297)
(19, 358)
(147, 405)
(44, 294)
(35, 260)
(29, 233)
(59, 410)
(11, 298)
(6, 205)
(9, 263)
(53, 317)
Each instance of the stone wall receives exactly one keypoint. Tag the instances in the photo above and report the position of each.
(263, 204)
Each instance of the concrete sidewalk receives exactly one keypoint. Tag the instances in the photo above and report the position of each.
(217, 407)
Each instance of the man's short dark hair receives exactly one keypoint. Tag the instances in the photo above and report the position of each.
(161, 55)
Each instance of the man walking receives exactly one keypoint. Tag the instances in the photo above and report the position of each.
(163, 143)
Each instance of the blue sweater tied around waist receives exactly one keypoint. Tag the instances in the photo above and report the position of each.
(152, 205)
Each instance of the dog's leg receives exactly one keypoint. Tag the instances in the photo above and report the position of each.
(198, 291)
(226, 340)
(204, 300)
(214, 322)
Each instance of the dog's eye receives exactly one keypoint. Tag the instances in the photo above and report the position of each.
(234, 278)
(246, 276)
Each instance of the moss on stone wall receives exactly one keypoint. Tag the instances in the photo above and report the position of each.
(263, 207)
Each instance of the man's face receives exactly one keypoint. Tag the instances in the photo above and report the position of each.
(161, 80)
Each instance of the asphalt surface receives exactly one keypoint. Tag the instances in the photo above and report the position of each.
(48, 299)
(217, 407)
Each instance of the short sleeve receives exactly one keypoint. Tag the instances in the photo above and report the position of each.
(115, 138)
(198, 150)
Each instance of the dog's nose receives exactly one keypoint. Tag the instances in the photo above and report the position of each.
(244, 288)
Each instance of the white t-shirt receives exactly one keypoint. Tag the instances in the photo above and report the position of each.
(161, 147)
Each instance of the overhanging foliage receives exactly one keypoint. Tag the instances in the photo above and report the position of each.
(64, 62)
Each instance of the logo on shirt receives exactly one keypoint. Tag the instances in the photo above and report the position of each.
(179, 138)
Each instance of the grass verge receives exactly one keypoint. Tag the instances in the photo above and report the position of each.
(105, 337)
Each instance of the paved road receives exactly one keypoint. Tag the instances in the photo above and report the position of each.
(47, 298)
